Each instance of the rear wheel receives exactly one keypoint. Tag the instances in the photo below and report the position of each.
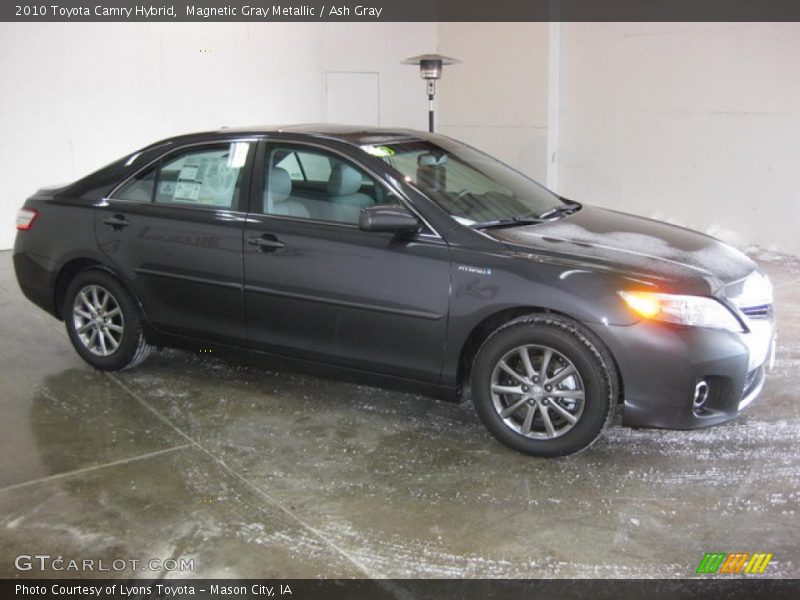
(543, 385)
(103, 322)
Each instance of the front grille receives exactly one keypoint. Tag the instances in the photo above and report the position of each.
(762, 311)
(751, 295)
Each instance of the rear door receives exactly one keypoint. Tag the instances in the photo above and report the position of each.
(318, 287)
(175, 232)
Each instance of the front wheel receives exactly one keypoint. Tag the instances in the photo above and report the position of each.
(544, 386)
(103, 322)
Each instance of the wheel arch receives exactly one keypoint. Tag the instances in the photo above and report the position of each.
(489, 324)
(77, 265)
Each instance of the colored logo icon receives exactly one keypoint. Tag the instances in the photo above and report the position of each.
(737, 562)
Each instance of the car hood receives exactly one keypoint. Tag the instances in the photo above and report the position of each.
(633, 244)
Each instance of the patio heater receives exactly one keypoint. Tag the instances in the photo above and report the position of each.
(430, 69)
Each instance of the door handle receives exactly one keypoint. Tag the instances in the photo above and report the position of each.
(266, 243)
(117, 222)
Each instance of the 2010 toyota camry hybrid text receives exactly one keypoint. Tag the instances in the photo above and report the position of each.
(410, 257)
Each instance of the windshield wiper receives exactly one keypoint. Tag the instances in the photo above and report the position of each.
(559, 211)
(512, 222)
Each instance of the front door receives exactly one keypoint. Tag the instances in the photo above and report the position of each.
(317, 287)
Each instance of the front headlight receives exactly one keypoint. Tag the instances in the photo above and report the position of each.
(694, 311)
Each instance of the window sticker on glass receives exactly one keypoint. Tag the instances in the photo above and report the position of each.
(166, 188)
(220, 181)
(206, 177)
(187, 190)
(237, 155)
(188, 173)
(379, 151)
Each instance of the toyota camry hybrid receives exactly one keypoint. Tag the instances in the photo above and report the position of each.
(410, 257)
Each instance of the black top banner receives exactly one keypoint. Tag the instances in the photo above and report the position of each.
(400, 10)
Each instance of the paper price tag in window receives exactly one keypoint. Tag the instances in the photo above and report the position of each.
(166, 188)
(187, 190)
(188, 173)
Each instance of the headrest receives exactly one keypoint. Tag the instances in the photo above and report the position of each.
(279, 185)
(344, 180)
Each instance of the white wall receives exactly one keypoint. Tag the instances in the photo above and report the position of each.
(380, 47)
(694, 123)
(497, 99)
(74, 97)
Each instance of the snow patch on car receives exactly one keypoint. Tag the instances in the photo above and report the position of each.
(641, 249)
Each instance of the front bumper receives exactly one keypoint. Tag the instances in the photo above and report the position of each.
(661, 366)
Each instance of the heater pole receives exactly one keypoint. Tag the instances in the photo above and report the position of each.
(431, 94)
(430, 69)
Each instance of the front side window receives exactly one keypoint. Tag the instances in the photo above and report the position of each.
(471, 186)
(207, 176)
(307, 166)
(314, 184)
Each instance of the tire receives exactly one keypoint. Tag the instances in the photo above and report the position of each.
(103, 322)
(511, 402)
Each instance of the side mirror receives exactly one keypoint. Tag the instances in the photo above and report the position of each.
(392, 218)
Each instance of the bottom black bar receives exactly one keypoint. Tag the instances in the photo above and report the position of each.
(400, 589)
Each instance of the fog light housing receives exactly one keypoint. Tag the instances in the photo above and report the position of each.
(700, 395)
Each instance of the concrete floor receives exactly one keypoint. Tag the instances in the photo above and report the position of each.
(257, 473)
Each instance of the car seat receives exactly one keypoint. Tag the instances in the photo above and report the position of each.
(346, 201)
(277, 196)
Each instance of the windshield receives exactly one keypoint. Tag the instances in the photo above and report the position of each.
(471, 186)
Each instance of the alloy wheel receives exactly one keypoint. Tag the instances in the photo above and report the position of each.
(98, 320)
(537, 392)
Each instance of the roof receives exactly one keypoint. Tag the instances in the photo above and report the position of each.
(354, 134)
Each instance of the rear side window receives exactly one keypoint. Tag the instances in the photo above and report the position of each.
(208, 176)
